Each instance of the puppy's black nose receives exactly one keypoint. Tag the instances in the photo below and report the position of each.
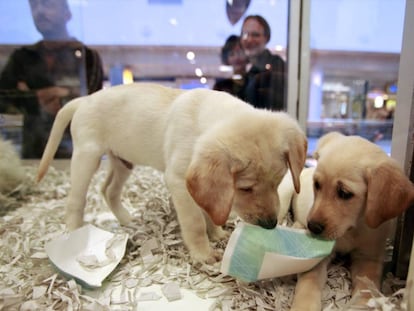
(316, 227)
(267, 223)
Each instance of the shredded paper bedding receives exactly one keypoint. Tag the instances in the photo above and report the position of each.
(33, 214)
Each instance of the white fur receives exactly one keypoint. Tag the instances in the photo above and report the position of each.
(216, 151)
(301, 202)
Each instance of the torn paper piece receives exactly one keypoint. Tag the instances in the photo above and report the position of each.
(131, 283)
(254, 253)
(88, 254)
(146, 251)
(171, 291)
(38, 291)
(149, 296)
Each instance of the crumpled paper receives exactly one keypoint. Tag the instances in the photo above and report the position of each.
(254, 253)
(88, 254)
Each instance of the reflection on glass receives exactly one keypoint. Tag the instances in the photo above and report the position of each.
(38, 79)
(166, 41)
(354, 69)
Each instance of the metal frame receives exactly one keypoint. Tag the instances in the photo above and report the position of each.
(402, 151)
(298, 60)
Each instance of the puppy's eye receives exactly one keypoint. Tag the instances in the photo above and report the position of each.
(344, 195)
(316, 185)
(246, 189)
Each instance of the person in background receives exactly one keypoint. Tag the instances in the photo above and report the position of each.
(38, 79)
(232, 54)
(265, 79)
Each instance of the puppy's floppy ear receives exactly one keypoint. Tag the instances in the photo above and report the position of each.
(296, 157)
(324, 141)
(210, 181)
(390, 193)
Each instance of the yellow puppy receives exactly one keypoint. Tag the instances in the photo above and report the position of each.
(11, 170)
(216, 151)
(357, 188)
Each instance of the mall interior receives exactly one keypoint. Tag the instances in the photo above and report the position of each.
(352, 55)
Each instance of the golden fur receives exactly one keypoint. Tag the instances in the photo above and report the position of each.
(216, 151)
(356, 189)
(11, 169)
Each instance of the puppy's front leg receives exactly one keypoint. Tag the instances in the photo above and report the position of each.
(194, 229)
(362, 269)
(192, 223)
(308, 291)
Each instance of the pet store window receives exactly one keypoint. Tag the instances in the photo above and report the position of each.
(342, 57)
(354, 50)
(172, 42)
(355, 84)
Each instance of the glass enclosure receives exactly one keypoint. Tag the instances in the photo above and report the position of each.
(354, 51)
(355, 47)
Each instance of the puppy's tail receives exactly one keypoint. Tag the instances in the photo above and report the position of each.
(63, 118)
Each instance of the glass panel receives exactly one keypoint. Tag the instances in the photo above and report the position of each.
(355, 48)
(172, 42)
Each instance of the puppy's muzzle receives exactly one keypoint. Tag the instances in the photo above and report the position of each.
(315, 227)
(269, 223)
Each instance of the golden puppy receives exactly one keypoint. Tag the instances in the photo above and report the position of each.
(216, 151)
(357, 188)
(11, 169)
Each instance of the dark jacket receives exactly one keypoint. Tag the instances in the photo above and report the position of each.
(265, 82)
(233, 86)
(68, 64)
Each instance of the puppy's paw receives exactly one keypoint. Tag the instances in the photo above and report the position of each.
(218, 233)
(305, 307)
(73, 223)
(360, 299)
(210, 258)
(123, 216)
(214, 257)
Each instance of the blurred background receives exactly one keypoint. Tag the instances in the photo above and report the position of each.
(354, 49)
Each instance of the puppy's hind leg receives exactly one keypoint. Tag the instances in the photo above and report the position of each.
(83, 166)
(119, 171)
